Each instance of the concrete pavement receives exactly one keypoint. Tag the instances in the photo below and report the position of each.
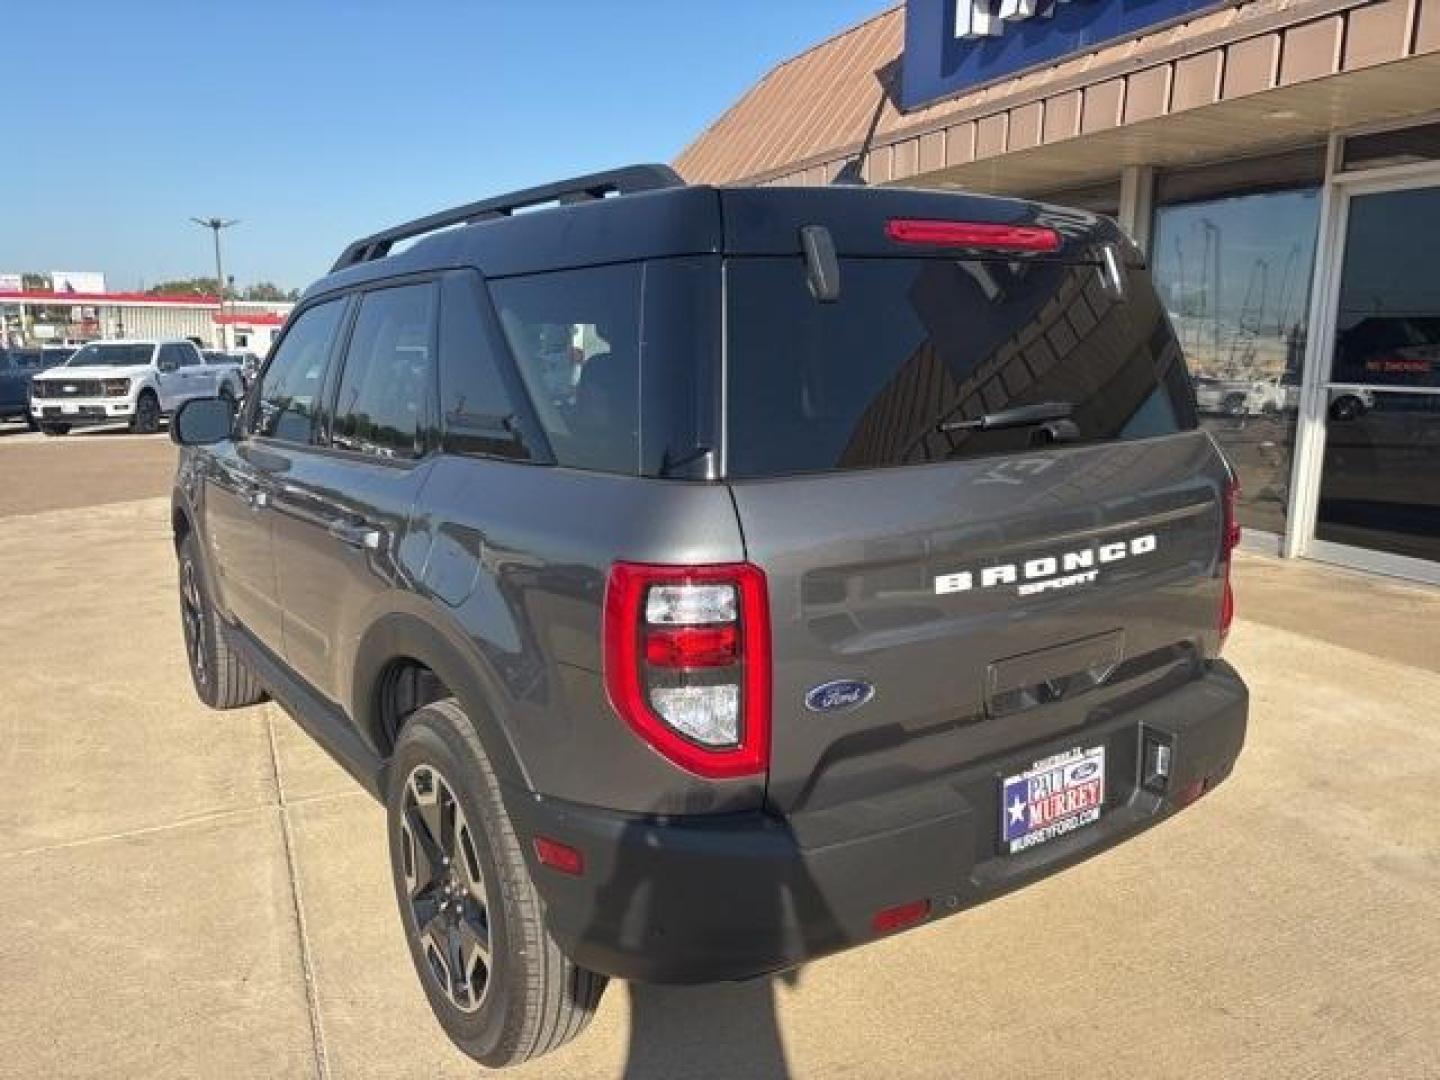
(187, 893)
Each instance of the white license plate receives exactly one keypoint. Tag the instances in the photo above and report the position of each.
(1051, 798)
(69, 408)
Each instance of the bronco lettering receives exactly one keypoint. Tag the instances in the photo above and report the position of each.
(1038, 575)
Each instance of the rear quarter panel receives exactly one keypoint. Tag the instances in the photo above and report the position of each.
(516, 557)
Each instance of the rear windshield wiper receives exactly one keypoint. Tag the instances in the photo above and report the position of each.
(1042, 412)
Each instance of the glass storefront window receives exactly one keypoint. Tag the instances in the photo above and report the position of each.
(1380, 482)
(1235, 273)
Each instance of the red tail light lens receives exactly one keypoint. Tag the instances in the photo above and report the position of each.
(687, 663)
(1230, 540)
(973, 234)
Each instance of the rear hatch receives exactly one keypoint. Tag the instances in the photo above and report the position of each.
(949, 581)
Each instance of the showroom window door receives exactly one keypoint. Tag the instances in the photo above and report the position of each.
(1370, 470)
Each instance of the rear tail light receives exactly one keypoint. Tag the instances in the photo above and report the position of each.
(1230, 540)
(973, 234)
(687, 663)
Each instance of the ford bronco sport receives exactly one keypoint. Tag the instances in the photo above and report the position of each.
(711, 579)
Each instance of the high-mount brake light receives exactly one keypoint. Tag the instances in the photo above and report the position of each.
(687, 663)
(1230, 540)
(990, 236)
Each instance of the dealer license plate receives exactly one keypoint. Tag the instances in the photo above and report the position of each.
(69, 408)
(1051, 798)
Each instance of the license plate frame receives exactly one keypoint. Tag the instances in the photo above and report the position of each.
(1052, 798)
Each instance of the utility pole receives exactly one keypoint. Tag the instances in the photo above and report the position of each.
(215, 224)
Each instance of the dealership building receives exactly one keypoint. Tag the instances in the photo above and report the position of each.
(30, 317)
(1279, 161)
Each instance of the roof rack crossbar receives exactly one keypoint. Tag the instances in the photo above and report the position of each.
(623, 181)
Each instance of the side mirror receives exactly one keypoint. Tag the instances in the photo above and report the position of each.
(203, 422)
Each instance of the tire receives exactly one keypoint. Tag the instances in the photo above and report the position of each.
(55, 429)
(1345, 408)
(146, 420)
(532, 998)
(31, 422)
(220, 678)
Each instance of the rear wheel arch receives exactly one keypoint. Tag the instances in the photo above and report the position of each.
(403, 645)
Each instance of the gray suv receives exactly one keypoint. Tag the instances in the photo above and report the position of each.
(711, 579)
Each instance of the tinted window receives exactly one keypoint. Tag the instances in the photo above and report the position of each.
(914, 344)
(384, 399)
(576, 340)
(1387, 329)
(477, 412)
(289, 391)
(177, 356)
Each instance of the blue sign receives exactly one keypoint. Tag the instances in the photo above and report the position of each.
(954, 45)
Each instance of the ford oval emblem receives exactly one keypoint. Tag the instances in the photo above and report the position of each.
(1084, 771)
(838, 695)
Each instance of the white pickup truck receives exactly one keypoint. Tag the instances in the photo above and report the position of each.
(136, 382)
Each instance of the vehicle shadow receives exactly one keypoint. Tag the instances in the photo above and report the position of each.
(724, 1030)
(762, 907)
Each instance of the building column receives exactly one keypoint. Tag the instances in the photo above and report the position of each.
(1137, 202)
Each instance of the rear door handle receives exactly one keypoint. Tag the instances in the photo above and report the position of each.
(362, 535)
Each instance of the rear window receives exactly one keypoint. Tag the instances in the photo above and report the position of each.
(912, 345)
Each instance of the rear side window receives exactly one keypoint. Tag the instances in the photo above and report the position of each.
(477, 412)
(914, 344)
(575, 336)
(383, 403)
(289, 391)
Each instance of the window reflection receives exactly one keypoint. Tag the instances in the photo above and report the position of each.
(1387, 329)
(1234, 274)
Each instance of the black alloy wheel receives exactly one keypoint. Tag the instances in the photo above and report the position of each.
(192, 621)
(446, 885)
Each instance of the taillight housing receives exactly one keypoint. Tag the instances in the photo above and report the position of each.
(1229, 541)
(687, 663)
(986, 235)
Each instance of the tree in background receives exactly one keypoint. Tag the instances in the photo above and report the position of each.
(269, 291)
(265, 291)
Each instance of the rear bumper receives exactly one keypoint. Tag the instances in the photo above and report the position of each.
(691, 900)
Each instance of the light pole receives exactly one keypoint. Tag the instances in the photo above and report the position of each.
(215, 224)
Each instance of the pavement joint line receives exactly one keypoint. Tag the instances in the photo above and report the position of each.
(143, 830)
(307, 960)
(168, 826)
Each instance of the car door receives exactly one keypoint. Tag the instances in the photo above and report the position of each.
(191, 378)
(342, 508)
(245, 472)
(169, 380)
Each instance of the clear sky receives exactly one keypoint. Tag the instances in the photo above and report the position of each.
(316, 122)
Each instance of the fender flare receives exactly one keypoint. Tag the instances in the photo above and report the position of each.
(407, 635)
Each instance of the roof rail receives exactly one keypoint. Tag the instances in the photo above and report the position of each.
(623, 181)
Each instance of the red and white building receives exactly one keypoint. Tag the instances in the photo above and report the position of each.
(37, 318)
